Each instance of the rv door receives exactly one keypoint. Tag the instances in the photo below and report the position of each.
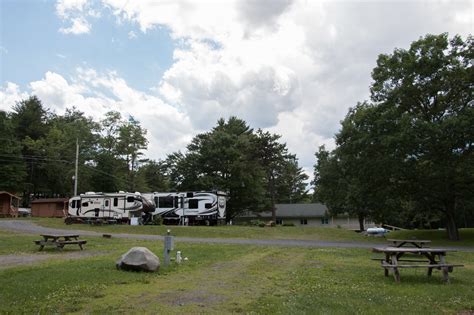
(106, 207)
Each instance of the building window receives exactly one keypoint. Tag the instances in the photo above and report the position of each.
(193, 203)
(304, 221)
(324, 221)
(279, 222)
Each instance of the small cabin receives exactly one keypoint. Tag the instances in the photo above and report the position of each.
(49, 207)
(8, 204)
(308, 214)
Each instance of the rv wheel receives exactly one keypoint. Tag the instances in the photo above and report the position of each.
(69, 220)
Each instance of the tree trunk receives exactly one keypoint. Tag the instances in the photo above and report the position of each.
(273, 210)
(451, 227)
(361, 222)
(272, 193)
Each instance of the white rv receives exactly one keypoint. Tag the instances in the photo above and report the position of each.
(194, 208)
(119, 206)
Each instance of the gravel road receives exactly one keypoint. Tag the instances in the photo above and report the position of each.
(14, 260)
(30, 227)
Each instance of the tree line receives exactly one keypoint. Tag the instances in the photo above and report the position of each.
(406, 155)
(39, 148)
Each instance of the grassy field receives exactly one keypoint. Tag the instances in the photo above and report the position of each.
(234, 231)
(280, 232)
(224, 279)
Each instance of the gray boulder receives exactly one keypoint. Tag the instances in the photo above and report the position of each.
(139, 258)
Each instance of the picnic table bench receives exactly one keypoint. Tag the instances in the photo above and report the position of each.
(59, 240)
(402, 243)
(431, 258)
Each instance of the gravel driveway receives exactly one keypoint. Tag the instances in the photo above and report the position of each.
(24, 226)
(14, 260)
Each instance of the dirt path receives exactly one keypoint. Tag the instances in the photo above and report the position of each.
(23, 226)
(16, 260)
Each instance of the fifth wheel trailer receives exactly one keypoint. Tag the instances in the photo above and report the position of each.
(193, 208)
(121, 206)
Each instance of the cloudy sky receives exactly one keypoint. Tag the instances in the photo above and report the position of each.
(292, 67)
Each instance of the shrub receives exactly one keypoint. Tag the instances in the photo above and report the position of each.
(288, 224)
(256, 222)
(157, 220)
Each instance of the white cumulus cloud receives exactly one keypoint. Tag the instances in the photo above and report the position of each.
(96, 93)
(79, 26)
(290, 66)
(10, 94)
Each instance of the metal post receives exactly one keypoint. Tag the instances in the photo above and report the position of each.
(76, 171)
(168, 247)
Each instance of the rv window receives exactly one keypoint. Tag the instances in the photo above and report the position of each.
(166, 202)
(85, 204)
(130, 199)
(156, 201)
(189, 195)
(193, 203)
(106, 203)
(115, 202)
(73, 204)
(208, 205)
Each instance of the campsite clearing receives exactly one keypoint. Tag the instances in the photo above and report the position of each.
(220, 278)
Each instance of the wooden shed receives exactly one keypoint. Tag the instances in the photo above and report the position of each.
(49, 207)
(8, 204)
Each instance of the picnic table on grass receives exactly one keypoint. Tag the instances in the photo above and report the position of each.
(402, 243)
(59, 240)
(430, 258)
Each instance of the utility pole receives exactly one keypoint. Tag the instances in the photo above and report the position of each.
(77, 162)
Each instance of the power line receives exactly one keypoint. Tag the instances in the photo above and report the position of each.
(30, 158)
(107, 174)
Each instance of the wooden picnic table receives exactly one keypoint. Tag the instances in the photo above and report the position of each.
(60, 240)
(415, 243)
(430, 258)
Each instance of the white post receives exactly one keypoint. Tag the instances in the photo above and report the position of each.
(169, 244)
(76, 171)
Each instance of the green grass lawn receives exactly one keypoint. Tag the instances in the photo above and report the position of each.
(234, 231)
(438, 237)
(225, 279)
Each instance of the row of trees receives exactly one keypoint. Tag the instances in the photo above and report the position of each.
(254, 167)
(406, 157)
(39, 149)
(39, 152)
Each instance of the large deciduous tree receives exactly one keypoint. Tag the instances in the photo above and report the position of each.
(411, 150)
(431, 85)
